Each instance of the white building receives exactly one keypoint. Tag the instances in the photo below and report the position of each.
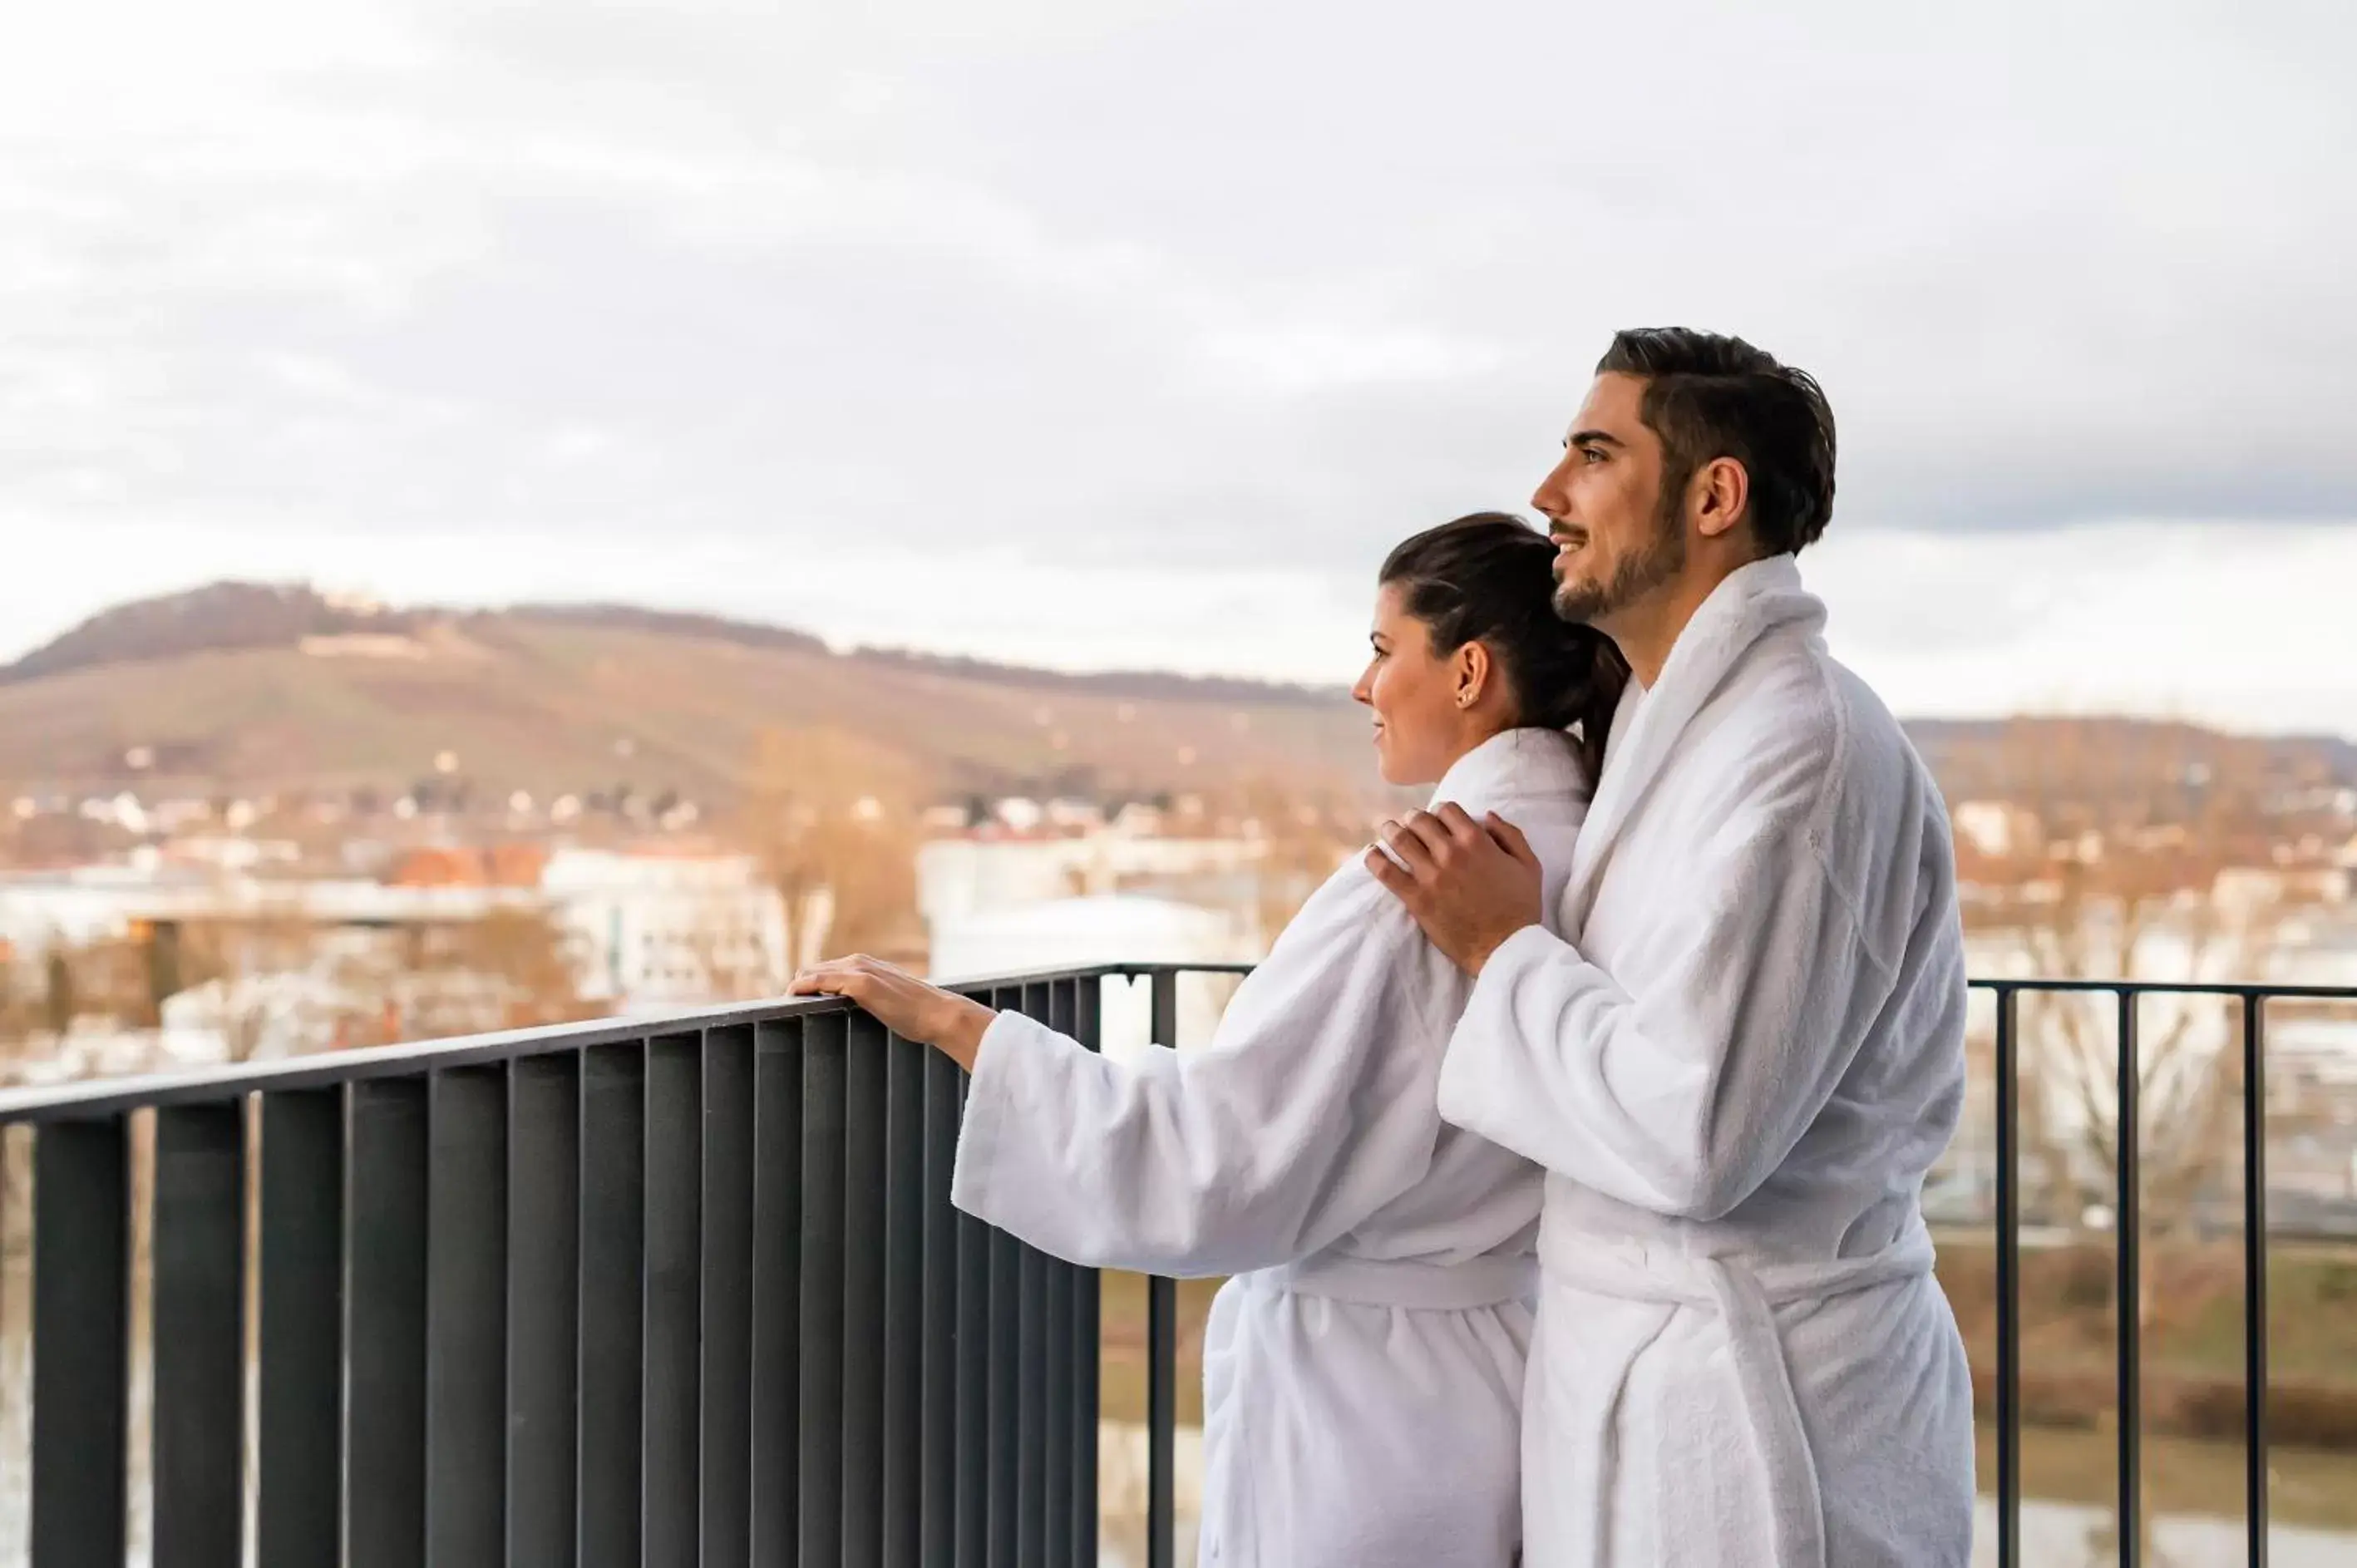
(957, 876)
(657, 931)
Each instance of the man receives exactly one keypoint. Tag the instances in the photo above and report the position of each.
(1741, 1060)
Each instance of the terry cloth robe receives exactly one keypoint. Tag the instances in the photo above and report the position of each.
(1736, 1072)
(1363, 1371)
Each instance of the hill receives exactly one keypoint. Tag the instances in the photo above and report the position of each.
(256, 687)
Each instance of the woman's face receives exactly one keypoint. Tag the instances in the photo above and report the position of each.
(1420, 726)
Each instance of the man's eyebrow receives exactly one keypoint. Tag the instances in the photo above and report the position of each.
(1593, 438)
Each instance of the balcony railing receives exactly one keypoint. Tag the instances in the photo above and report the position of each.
(685, 1292)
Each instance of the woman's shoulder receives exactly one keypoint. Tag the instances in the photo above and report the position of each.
(1348, 910)
(1536, 777)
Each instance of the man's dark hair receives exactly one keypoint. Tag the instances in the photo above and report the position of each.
(1708, 396)
(1489, 578)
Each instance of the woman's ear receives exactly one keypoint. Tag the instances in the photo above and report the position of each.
(1472, 667)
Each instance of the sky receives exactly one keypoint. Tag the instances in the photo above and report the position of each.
(1119, 333)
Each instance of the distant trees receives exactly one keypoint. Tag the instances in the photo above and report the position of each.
(2104, 852)
(1301, 836)
(2120, 859)
(832, 817)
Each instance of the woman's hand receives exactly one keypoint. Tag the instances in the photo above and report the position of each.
(951, 1024)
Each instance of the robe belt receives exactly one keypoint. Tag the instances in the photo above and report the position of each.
(1744, 1292)
(1491, 1280)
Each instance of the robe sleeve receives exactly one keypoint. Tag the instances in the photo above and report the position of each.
(1312, 1106)
(1753, 990)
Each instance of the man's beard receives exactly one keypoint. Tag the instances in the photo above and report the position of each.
(1585, 601)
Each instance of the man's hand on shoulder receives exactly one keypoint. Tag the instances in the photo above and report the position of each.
(1470, 885)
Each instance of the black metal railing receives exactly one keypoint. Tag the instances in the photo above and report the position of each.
(2251, 1001)
(683, 1292)
(690, 1292)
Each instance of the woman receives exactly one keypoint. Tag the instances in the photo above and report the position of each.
(1364, 1368)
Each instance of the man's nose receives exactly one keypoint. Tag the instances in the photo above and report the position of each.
(1551, 498)
(1548, 501)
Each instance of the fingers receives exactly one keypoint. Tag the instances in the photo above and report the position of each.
(828, 981)
(1437, 834)
(1388, 871)
(1457, 823)
(1510, 838)
(1411, 846)
(854, 977)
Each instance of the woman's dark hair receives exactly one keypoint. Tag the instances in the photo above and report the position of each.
(1489, 578)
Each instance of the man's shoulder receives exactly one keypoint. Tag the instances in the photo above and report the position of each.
(1794, 711)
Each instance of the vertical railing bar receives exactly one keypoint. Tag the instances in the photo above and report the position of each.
(970, 1527)
(609, 1491)
(1060, 1355)
(387, 1240)
(2255, 1274)
(198, 1272)
(466, 1248)
(2008, 1281)
(580, 1285)
(346, 1279)
(776, 1395)
(543, 1276)
(1088, 1285)
(724, 1415)
(508, 1322)
(1031, 1288)
(671, 1293)
(434, 1081)
(1002, 1359)
(79, 1353)
(820, 1433)
(938, 1298)
(903, 1242)
(1162, 1350)
(646, 1242)
(2129, 1293)
(863, 1215)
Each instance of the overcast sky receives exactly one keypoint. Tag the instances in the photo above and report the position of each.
(1114, 332)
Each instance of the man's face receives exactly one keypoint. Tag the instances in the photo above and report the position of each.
(1617, 536)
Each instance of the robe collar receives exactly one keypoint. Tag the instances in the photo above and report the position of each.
(1514, 764)
(1753, 602)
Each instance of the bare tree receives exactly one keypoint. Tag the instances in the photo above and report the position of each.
(2128, 852)
(521, 954)
(832, 816)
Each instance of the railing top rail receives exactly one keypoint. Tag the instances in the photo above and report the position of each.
(106, 1096)
(2230, 990)
(111, 1096)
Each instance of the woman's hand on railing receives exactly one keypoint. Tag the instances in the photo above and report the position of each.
(910, 1008)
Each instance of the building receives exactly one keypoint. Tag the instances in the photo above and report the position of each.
(653, 930)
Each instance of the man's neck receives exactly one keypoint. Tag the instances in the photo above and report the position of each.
(1647, 631)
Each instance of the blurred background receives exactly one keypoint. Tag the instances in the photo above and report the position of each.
(524, 514)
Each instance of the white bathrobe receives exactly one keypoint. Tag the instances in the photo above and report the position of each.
(1736, 1072)
(1363, 1372)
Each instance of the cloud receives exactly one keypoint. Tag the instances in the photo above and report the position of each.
(1127, 287)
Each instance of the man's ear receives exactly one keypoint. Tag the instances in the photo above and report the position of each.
(1720, 495)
